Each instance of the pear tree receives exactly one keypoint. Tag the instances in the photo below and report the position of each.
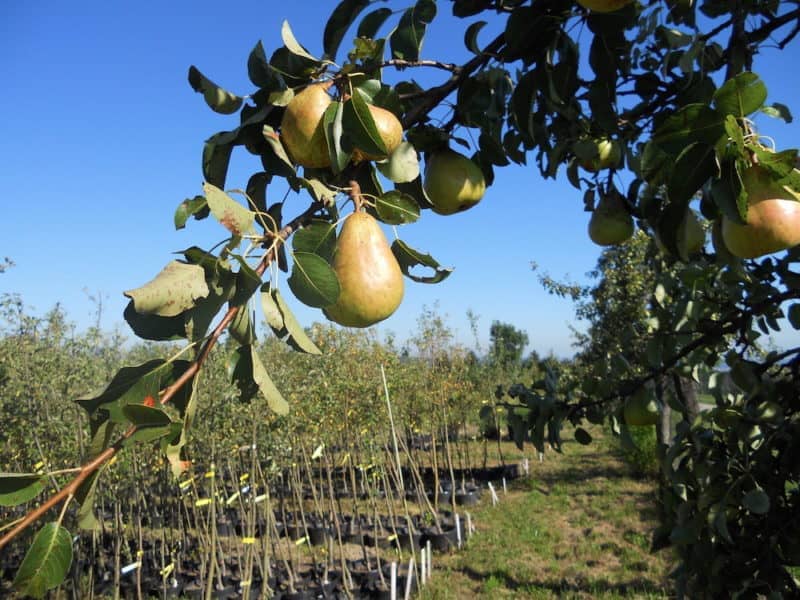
(650, 103)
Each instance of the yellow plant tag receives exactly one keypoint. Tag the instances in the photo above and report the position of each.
(249, 540)
(203, 502)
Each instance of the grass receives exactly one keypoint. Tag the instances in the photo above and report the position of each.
(579, 527)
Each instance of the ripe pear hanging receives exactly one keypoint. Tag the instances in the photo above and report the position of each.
(302, 132)
(370, 279)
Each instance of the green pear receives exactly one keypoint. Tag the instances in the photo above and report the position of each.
(610, 222)
(302, 132)
(641, 409)
(370, 279)
(609, 154)
(453, 183)
(389, 128)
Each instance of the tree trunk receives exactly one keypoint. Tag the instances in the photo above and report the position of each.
(686, 390)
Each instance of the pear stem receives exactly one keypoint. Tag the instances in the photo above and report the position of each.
(355, 195)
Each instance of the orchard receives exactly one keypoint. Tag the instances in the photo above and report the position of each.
(645, 107)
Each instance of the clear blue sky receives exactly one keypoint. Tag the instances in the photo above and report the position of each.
(101, 137)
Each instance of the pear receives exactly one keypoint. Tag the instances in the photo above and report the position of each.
(370, 279)
(691, 236)
(610, 222)
(641, 409)
(302, 132)
(453, 182)
(773, 217)
(389, 128)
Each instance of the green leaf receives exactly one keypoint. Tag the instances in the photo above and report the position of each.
(692, 123)
(318, 237)
(46, 563)
(332, 122)
(729, 194)
(778, 111)
(318, 190)
(693, 167)
(130, 385)
(296, 69)
(756, 501)
(406, 40)
(217, 98)
(741, 95)
(142, 415)
(793, 314)
(247, 282)
(396, 208)
(492, 149)
(261, 72)
(655, 163)
(283, 323)
(84, 496)
(357, 121)
(152, 423)
(582, 436)
(175, 289)
(372, 22)
(471, 37)
(216, 158)
(340, 20)
(153, 327)
(313, 280)
(232, 216)
(241, 328)
(188, 208)
(250, 376)
(718, 520)
(402, 165)
(292, 44)
(409, 258)
(522, 104)
(16, 488)
(276, 161)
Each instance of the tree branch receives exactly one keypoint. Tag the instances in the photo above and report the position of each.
(435, 95)
(71, 488)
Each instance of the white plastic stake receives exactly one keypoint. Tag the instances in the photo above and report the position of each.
(430, 560)
(131, 567)
(411, 565)
(541, 457)
(458, 530)
(470, 528)
(423, 561)
(526, 466)
(393, 593)
(495, 499)
(505, 489)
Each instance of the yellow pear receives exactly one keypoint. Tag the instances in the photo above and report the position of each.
(302, 132)
(370, 279)
(389, 128)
